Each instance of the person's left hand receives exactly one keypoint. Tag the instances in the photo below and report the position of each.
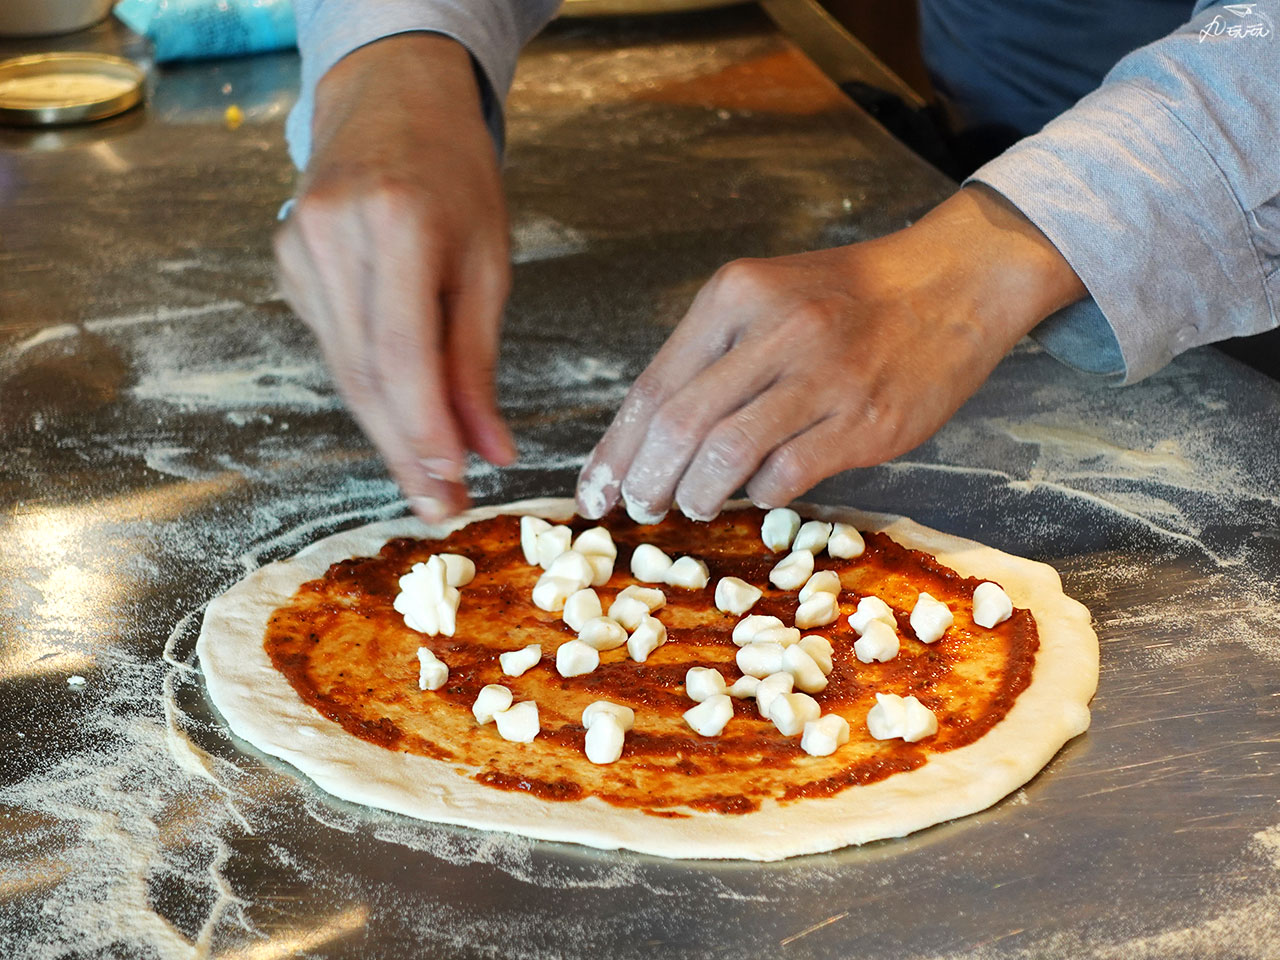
(786, 371)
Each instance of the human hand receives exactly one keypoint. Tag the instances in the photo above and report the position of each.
(786, 371)
(396, 256)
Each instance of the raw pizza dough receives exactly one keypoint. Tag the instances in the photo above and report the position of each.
(261, 706)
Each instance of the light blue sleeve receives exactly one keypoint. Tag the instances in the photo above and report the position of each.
(493, 31)
(1162, 190)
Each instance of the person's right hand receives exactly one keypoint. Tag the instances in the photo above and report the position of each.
(396, 256)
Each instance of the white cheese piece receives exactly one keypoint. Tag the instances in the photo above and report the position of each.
(603, 633)
(551, 543)
(824, 581)
(819, 648)
(688, 572)
(421, 590)
(734, 595)
(812, 536)
(744, 687)
(872, 608)
(604, 740)
(821, 737)
(596, 542)
(516, 662)
(991, 605)
(601, 568)
(432, 673)
(649, 564)
(709, 717)
(906, 717)
(458, 570)
(571, 565)
(783, 636)
(447, 611)
(646, 638)
(792, 570)
(770, 687)
(818, 611)
(779, 529)
(628, 611)
(582, 606)
(703, 682)
(75, 680)
(791, 711)
(530, 527)
(518, 723)
(491, 699)
(760, 659)
(624, 717)
(574, 658)
(879, 642)
(550, 593)
(746, 629)
(651, 597)
(845, 542)
(930, 618)
(808, 675)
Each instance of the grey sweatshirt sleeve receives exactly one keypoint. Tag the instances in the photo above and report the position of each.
(1162, 190)
(493, 31)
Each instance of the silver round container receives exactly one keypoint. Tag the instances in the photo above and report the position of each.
(40, 18)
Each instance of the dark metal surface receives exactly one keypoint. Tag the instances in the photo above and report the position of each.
(167, 425)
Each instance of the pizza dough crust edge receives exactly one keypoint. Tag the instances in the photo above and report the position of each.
(261, 707)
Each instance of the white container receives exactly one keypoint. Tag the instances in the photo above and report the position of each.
(43, 18)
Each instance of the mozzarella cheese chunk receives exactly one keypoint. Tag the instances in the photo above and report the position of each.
(624, 717)
(582, 606)
(646, 638)
(906, 717)
(821, 737)
(574, 658)
(518, 723)
(604, 740)
(649, 564)
(791, 711)
(530, 527)
(628, 611)
(432, 673)
(991, 605)
(651, 597)
(760, 659)
(783, 636)
(818, 611)
(571, 565)
(877, 643)
(551, 543)
(792, 571)
(872, 608)
(492, 698)
(736, 596)
(779, 529)
(458, 570)
(422, 592)
(550, 593)
(824, 581)
(596, 542)
(447, 611)
(601, 568)
(744, 687)
(688, 572)
(709, 717)
(748, 627)
(603, 633)
(703, 682)
(845, 542)
(771, 687)
(812, 536)
(930, 618)
(820, 649)
(516, 662)
(808, 675)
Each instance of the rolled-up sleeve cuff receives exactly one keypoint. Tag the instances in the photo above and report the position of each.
(1141, 212)
(331, 29)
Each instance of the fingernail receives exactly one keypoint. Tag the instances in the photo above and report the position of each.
(442, 468)
(429, 508)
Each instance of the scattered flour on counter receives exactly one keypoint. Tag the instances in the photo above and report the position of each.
(535, 237)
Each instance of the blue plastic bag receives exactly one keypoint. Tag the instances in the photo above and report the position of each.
(196, 29)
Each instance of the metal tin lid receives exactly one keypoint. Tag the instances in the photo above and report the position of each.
(53, 88)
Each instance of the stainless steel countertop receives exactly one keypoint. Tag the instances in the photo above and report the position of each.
(167, 425)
